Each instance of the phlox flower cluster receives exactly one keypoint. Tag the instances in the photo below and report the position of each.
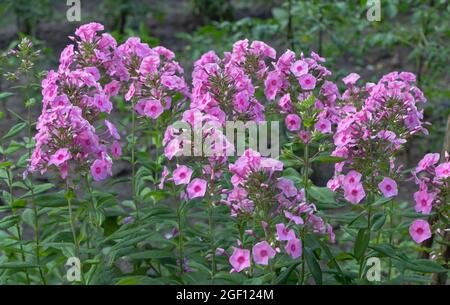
(225, 88)
(306, 97)
(271, 210)
(74, 96)
(433, 180)
(152, 75)
(385, 113)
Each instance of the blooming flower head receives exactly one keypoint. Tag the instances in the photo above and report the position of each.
(283, 233)
(262, 252)
(323, 125)
(307, 81)
(240, 259)
(424, 201)
(59, 157)
(388, 187)
(299, 68)
(427, 161)
(182, 175)
(443, 170)
(294, 248)
(420, 230)
(354, 193)
(101, 169)
(197, 188)
(153, 109)
(293, 122)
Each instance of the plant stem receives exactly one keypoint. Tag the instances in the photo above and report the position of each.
(35, 210)
(211, 238)
(391, 237)
(18, 228)
(180, 239)
(133, 160)
(72, 225)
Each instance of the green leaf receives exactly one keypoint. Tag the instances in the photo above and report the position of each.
(323, 195)
(284, 275)
(328, 159)
(313, 266)
(425, 265)
(378, 221)
(4, 95)
(361, 243)
(150, 254)
(14, 130)
(17, 265)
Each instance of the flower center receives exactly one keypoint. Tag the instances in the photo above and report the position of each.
(419, 231)
(388, 187)
(293, 247)
(241, 259)
(98, 170)
(197, 188)
(263, 253)
(354, 192)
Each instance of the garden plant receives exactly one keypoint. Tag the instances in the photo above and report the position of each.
(134, 172)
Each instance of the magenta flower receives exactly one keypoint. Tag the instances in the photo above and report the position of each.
(354, 193)
(287, 186)
(420, 230)
(182, 175)
(294, 247)
(307, 81)
(101, 169)
(424, 201)
(351, 79)
(388, 187)
(296, 219)
(443, 170)
(352, 177)
(116, 150)
(323, 125)
(153, 109)
(59, 157)
(112, 130)
(196, 188)
(240, 259)
(283, 233)
(299, 68)
(293, 122)
(427, 161)
(262, 252)
(149, 64)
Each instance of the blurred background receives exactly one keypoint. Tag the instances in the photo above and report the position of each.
(412, 35)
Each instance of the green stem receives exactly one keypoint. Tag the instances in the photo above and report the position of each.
(211, 238)
(35, 210)
(391, 233)
(133, 160)
(18, 228)
(72, 226)
(180, 239)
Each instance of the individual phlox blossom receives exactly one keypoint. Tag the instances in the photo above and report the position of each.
(420, 230)
(240, 259)
(182, 174)
(262, 252)
(196, 188)
(388, 187)
(294, 248)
